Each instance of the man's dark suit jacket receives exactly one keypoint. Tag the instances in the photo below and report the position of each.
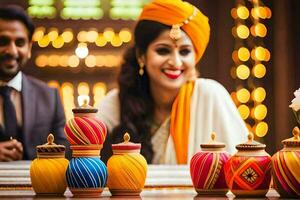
(43, 113)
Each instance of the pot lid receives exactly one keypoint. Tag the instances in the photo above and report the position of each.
(50, 149)
(85, 108)
(293, 141)
(126, 146)
(251, 144)
(212, 143)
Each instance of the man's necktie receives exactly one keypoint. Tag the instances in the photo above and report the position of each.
(9, 113)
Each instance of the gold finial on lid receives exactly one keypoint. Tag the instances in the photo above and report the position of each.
(85, 102)
(250, 137)
(126, 137)
(212, 144)
(50, 139)
(251, 144)
(50, 149)
(213, 136)
(296, 133)
(293, 141)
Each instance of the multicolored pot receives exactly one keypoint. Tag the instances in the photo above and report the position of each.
(127, 169)
(207, 169)
(286, 167)
(85, 128)
(47, 171)
(86, 173)
(248, 172)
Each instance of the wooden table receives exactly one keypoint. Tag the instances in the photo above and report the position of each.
(163, 182)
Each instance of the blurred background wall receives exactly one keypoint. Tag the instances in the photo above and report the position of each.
(78, 47)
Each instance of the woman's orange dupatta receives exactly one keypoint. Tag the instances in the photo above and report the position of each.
(180, 122)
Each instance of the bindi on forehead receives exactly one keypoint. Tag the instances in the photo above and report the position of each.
(175, 43)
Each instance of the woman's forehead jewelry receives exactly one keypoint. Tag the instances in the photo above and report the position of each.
(175, 32)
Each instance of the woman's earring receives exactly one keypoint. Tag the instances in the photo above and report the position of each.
(141, 71)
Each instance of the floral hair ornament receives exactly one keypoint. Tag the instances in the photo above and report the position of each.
(175, 32)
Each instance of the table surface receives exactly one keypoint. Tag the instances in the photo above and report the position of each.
(162, 182)
(147, 194)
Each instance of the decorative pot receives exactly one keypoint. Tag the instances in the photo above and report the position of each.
(248, 172)
(207, 169)
(127, 169)
(85, 128)
(86, 173)
(285, 167)
(47, 171)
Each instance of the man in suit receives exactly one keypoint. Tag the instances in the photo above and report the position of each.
(29, 109)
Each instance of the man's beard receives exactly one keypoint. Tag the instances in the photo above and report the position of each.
(8, 72)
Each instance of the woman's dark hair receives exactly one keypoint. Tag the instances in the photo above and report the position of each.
(135, 97)
(14, 12)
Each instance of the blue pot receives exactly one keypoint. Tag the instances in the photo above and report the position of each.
(86, 176)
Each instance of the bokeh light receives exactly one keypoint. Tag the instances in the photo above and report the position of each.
(243, 95)
(261, 129)
(259, 70)
(243, 54)
(242, 12)
(242, 72)
(260, 112)
(244, 111)
(242, 31)
(259, 94)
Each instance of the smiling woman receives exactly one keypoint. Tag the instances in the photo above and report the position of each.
(169, 63)
(160, 101)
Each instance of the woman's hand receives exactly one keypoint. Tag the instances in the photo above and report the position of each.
(11, 150)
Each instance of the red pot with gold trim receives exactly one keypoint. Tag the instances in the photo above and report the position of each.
(248, 172)
(207, 168)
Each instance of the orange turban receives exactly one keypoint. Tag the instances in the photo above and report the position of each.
(191, 20)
